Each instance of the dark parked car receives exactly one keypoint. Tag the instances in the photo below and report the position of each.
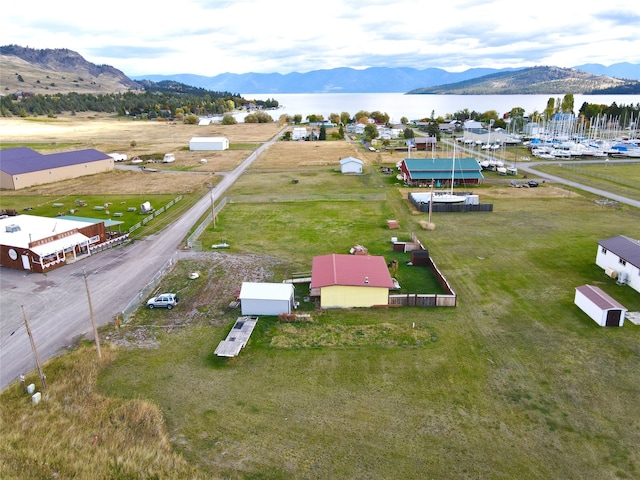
(532, 183)
(165, 300)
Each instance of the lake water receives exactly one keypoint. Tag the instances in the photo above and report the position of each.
(415, 107)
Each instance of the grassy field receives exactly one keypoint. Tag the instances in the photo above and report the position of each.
(515, 382)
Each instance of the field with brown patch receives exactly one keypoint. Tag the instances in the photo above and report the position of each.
(110, 134)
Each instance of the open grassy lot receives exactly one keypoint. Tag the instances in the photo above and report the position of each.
(515, 382)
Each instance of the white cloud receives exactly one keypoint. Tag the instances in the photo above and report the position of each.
(239, 36)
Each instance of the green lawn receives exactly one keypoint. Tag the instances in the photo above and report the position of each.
(515, 382)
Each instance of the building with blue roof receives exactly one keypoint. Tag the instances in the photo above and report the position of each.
(424, 171)
(23, 167)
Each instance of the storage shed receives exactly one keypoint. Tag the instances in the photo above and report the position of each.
(266, 298)
(209, 143)
(603, 309)
(351, 165)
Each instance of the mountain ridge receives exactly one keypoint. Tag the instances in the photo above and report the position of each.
(50, 71)
(537, 80)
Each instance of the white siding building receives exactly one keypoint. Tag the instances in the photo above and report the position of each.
(209, 143)
(299, 133)
(602, 309)
(266, 298)
(619, 257)
(351, 165)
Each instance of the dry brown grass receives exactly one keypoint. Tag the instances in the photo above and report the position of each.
(294, 155)
(109, 134)
(101, 130)
(121, 182)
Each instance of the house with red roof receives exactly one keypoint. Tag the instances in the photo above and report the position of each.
(23, 167)
(346, 281)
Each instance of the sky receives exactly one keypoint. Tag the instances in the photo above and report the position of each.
(210, 37)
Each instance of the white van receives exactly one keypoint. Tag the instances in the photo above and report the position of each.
(169, 158)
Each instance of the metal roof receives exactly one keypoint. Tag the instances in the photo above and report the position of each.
(266, 291)
(33, 228)
(440, 168)
(16, 161)
(626, 248)
(350, 270)
(599, 298)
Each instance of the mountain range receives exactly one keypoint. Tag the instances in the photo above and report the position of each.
(50, 71)
(383, 80)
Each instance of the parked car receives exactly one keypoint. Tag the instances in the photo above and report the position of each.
(532, 183)
(165, 300)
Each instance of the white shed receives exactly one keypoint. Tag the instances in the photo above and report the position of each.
(299, 133)
(351, 165)
(209, 143)
(603, 309)
(266, 298)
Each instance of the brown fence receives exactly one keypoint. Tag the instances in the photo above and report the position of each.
(420, 256)
(423, 300)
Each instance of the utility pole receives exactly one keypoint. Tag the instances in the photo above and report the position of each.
(35, 351)
(93, 318)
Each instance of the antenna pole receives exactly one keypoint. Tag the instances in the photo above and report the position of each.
(35, 351)
(93, 318)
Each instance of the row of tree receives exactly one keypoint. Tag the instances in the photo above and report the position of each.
(162, 99)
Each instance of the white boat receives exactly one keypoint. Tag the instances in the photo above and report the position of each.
(446, 196)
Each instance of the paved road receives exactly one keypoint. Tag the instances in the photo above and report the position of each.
(56, 303)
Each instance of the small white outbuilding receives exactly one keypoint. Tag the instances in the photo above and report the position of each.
(602, 308)
(209, 143)
(351, 165)
(266, 298)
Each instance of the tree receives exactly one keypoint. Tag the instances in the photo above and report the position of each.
(362, 116)
(191, 119)
(345, 118)
(549, 109)
(334, 118)
(408, 133)
(567, 103)
(370, 131)
(228, 119)
(323, 133)
(297, 119)
(433, 129)
(380, 118)
(404, 120)
(517, 118)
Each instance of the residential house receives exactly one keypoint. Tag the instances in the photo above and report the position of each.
(345, 281)
(619, 256)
